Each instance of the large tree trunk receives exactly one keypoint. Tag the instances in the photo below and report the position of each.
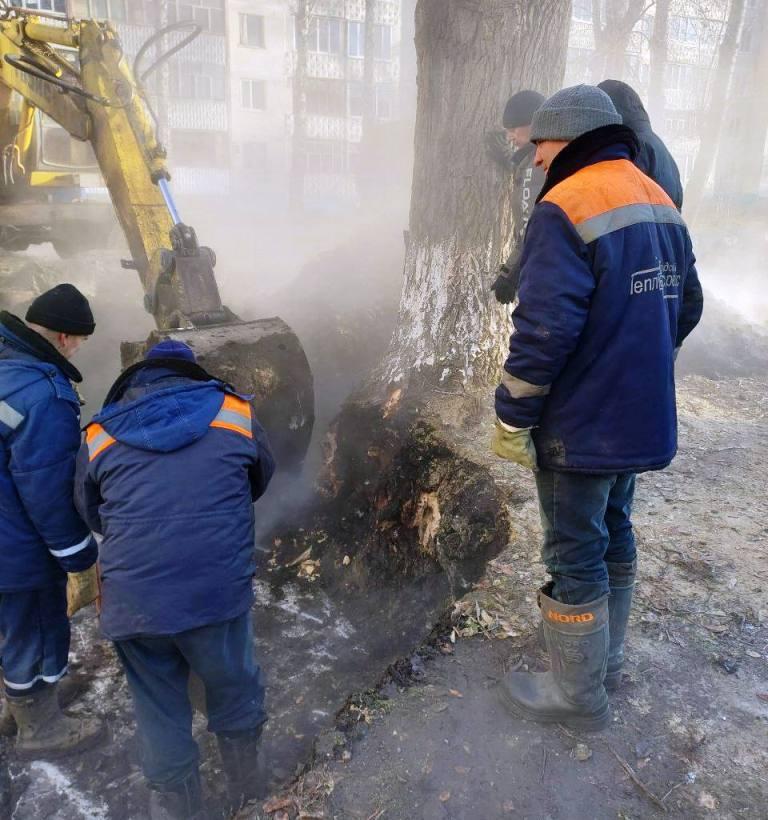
(739, 172)
(659, 48)
(471, 55)
(410, 498)
(712, 125)
(299, 147)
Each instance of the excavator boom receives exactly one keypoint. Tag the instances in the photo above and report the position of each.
(97, 99)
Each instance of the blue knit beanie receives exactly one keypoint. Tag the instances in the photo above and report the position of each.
(171, 349)
(574, 111)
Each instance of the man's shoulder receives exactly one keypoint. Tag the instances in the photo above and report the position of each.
(603, 187)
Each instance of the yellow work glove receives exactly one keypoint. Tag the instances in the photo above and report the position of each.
(514, 445)
(83, 588)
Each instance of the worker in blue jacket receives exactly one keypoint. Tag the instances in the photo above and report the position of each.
(608, 293)
(42, 537)
(169, 473)
(653, 157)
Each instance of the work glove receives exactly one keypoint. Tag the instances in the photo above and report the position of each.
(514, 444)
(499, 149)
(83, 588)
(506, 285)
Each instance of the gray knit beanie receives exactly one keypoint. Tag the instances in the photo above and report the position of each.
(572, 112)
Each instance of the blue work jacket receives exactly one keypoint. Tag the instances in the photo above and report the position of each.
(608, 292)
(41, 534)
(168, 474)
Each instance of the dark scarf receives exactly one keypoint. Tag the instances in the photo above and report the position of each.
(39, 347)
(587, 150)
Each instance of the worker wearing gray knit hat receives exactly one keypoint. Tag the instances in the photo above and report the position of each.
(608, 292)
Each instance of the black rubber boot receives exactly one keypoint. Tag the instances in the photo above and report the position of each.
(45, 731)
(621, 578)
(572, 692)
(183, 802)
(239, 757)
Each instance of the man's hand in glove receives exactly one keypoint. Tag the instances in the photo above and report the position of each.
(514, 444)
(505, 286)
(499, 149)
(83, 588)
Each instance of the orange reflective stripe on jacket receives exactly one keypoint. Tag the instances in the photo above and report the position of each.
(235, 415)
(98, 440)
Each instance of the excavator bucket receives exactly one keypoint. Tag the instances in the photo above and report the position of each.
(264, 359)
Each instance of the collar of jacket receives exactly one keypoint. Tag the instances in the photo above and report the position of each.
(522, 154)
(179, 367)
(602, 144)
(26, 340)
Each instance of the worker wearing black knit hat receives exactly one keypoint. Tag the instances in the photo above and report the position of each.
(47, 552)
(514, 152)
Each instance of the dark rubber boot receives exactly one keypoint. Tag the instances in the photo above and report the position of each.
(621, 578)
(68, 689)
(239, 757)
(572, 692)
(183, 802)
(45, 731)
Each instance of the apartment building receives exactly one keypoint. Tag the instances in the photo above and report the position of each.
(695, 31)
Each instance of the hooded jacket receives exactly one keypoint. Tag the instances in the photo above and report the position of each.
(608, 291)
(41, 534)
(168, 474)
(653, 157)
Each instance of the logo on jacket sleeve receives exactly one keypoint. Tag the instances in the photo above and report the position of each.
(664, 277)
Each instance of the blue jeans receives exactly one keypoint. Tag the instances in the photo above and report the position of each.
(586, 521)
(34, 638)
(158, 668)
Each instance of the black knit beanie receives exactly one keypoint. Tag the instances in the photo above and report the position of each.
(62, 309)
(521, 107)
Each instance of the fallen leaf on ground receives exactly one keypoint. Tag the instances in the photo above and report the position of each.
(445, 797)
(461, 769)
(763, 696)
(455, 693)
(303, 557)
(753, 654)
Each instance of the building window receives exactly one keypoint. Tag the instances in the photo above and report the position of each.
(252, 31)
(254, 94)
(355, 39)
(325, 35)
(209, 14)
(356, 99)
(382, 39)
(384, 102)
(116, 10)
(582, 10)
(200, 149)
(59, 6)
(326, 98)
(255, 158)
(198, 81)
(327, 157)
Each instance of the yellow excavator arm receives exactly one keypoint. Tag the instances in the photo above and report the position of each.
(97, 99)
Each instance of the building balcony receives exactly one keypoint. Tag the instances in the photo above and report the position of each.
(207, 48)
(346, 129)
(340, 67)
(197, 181)
(198, 115)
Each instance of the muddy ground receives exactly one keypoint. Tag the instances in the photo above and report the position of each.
(690, 724)
(689, 736)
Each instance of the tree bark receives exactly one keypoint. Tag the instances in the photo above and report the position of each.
(471, 55)
(299, 88)
(657, 103)
(739, 172)
(612, 37)
(713, 119)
